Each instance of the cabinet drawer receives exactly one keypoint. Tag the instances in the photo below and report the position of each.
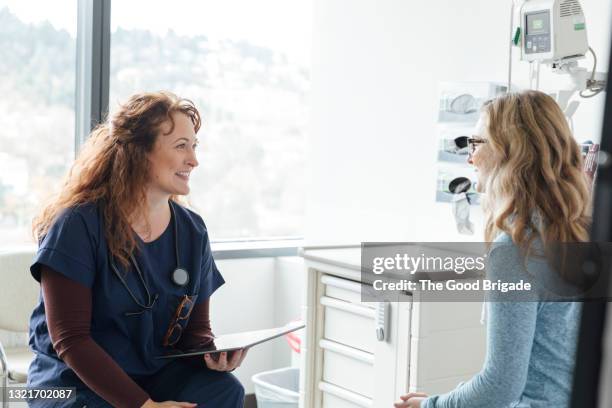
(348, 368)
(343, 289)
(336, 397)
(349, 324)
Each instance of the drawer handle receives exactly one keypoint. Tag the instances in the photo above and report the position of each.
(348, 307)
(345, 395)
(341, 283)
(347, 351)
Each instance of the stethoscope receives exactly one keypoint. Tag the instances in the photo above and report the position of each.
(179, 277)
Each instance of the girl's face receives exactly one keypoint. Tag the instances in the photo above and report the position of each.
(173, 157)
(481, 154)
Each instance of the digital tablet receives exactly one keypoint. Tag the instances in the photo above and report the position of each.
(237, 341)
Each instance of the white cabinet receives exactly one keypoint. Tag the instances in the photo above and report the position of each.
(427, 346)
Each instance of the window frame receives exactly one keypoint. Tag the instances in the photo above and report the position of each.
(93, 67)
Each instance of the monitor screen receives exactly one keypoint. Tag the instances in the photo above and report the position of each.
(538, 23)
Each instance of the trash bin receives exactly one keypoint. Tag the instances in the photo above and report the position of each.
(278, 388)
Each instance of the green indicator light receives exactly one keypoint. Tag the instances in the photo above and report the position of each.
(579, 26)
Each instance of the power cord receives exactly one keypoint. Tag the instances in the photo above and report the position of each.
(595, 87)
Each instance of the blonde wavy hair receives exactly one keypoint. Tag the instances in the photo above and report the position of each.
(112, 168)
(538, 171)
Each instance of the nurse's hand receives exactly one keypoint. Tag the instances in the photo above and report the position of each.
(167, 404)
(222, 363)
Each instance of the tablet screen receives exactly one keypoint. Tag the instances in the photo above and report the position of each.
(236, 341)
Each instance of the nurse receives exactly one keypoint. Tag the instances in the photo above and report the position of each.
(127, 272)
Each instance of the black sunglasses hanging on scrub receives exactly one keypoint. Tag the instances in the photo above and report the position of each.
(179, 276)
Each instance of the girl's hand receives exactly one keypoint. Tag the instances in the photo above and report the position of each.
(411, 400)
(223, 364)
(168, 404)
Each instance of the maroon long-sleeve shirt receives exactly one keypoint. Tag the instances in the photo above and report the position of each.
(68, 313)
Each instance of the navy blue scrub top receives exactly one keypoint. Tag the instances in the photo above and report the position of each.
(75, 247)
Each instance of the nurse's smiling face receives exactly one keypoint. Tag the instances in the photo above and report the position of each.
(173, 157)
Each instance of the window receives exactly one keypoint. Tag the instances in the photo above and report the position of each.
(37, 83)
(246, 66)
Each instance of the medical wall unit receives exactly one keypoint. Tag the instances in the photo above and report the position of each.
(553, 30)
(366, 354)
(460, 103)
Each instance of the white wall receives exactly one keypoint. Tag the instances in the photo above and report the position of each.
(376, 69)
(245, 303)
(259, 293)
(289, 300)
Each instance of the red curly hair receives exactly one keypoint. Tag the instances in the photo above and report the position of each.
(112, 168)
